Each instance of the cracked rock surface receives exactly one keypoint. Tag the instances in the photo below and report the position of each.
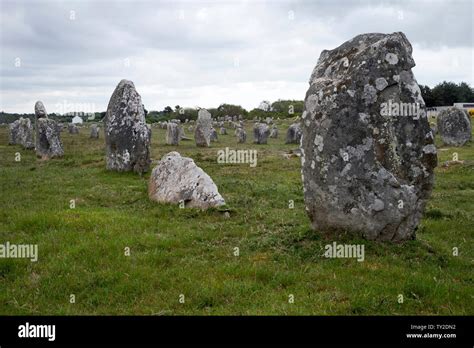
(366, 171)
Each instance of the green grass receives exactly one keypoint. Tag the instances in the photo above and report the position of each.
(184, 251)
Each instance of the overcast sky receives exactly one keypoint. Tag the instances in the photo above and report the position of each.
(72, 54)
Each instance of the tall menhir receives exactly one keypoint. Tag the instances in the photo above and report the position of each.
(365, 171)
(127, 137)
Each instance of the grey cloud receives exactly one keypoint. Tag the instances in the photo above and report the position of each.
(186, 45)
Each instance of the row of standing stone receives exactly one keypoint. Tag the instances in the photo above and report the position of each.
(49, 145)
(46, 140)
(205, 133)
(363, 172)
(128, 137)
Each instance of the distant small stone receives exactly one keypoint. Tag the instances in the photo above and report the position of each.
(293, 135)
(95, 131)
(454, 126)
(73, 129)
(213, 134)
(202, 133)
(241, 135)
(274, 132)
(260, 133)
(172, 134)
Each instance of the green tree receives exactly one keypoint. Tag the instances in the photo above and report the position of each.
(287, 108)
(427, 95)
(230, 109)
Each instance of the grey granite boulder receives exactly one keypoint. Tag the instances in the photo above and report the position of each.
(293, 134)
(241, 135)
(95, 131)
(173, 135)
(14, 130)
(454, 126)
(127, 137)
(214, 136)
(26, 133)
(182, 134)
(48, 142)
(40, 110)
(202, 133)
(274, 132)
(261, 131)
(72, 128)
(21, 133)
(178, 179)
(366, 171)
(48, 139)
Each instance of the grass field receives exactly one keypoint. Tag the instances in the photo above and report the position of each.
(177, 251)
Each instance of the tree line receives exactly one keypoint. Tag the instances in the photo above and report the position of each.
(447, 93)
(443, 94)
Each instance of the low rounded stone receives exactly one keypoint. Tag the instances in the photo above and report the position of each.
(454, 126)
(179, 180)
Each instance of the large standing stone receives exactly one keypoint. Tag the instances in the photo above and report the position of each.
(48, 137)
(178, 179)
(260, 133)
(127, 137)
(95, 131)
(173, 135)
(454, 126)
(202, 134)
(293, 134)
(366, 171)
